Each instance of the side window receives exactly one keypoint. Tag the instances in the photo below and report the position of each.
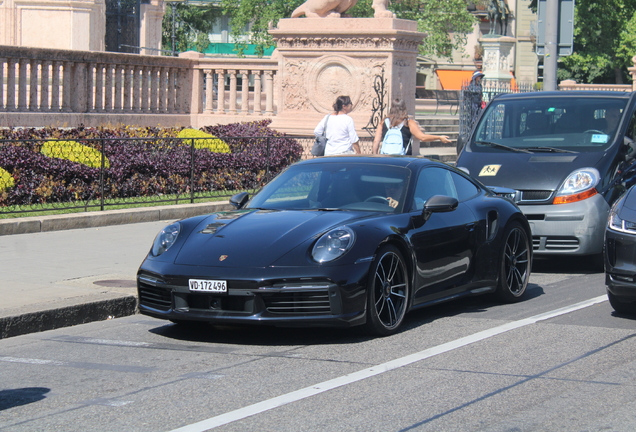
(491, 126)
(432, 181)
(464, 187)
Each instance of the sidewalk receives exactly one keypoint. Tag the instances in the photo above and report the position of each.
(65, 270)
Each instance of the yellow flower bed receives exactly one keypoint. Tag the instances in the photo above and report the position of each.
(6, 180)
(211, 142)
(75, 152)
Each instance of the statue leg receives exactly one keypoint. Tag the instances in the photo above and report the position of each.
(380, 8)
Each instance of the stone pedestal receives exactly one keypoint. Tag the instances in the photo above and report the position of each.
(498, 57)
(323, 58)
(76, 25)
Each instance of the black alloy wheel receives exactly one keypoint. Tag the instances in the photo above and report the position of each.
(515, 265)
(387, 295)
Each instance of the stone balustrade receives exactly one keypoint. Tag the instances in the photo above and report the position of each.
(573, 85)
(234, 86)
(46, 80)
(47, 87)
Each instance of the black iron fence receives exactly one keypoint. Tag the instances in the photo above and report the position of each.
(53, 176)
(469, 109)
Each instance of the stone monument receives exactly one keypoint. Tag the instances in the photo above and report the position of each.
(323, 58)
(498, 57)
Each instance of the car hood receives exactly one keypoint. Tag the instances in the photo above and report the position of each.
(256, 238)
(523, 171)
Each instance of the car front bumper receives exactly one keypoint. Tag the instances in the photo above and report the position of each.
(281, 297)
(573, 229)
(620, 264)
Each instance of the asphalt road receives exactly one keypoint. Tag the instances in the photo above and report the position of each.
(561, 360)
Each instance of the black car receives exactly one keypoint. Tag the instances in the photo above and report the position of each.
(568, 155)
(340, 241)
(620, 254)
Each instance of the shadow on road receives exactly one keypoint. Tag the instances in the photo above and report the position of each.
(22, 396)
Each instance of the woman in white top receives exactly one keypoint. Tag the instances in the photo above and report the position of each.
(341, 132)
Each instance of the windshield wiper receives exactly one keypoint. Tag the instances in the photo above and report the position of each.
(501, 146)
(549, 150)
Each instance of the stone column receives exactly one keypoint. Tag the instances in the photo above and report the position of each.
(269, 93)
(257, 92)
(232, 92)
(220, 104)
(209, 91)
(323, 58)
(245, 92)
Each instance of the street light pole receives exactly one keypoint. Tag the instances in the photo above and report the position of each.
(551, 46)
(174, 34)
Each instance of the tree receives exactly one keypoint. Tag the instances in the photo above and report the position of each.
(192, 25)
(604, 41)
(447, 22)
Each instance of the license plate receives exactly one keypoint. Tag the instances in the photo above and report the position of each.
(218, 286)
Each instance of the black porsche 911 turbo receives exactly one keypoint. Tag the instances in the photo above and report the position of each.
(340, 241)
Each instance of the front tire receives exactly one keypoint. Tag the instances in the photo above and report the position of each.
(387, 292)
(515, 265)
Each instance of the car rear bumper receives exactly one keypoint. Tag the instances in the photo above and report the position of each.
(573, 229)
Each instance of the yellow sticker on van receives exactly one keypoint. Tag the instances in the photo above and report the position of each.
(489, 170)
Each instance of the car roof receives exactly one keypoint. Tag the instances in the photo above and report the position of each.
(403, 161)
(568, 93)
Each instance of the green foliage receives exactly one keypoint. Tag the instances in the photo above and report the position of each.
(6, 180)
(604, 42)
(75, 152)
(210, 142)
(445, 21)
(192, 25)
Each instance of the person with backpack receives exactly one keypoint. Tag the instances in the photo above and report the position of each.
(398, 130)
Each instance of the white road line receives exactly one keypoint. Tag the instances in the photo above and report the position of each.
(313, 390)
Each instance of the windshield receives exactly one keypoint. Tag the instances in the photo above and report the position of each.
(330, 186)
(559, 124)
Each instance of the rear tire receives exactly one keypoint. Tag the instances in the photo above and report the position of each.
(515, 265)
(387, 292)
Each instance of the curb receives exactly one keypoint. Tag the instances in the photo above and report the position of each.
(67, 316)
(35, 224)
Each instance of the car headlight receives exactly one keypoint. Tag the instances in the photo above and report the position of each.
(333, 244)
(165, 239)
(578, 186)
(614, 222)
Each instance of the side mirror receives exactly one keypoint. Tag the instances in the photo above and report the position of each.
(239, 200)
(438, 204)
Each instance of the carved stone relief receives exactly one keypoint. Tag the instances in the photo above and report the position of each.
(366, 43)
(293, 85)
(330, 77)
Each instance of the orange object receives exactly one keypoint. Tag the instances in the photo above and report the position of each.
(453, 79)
